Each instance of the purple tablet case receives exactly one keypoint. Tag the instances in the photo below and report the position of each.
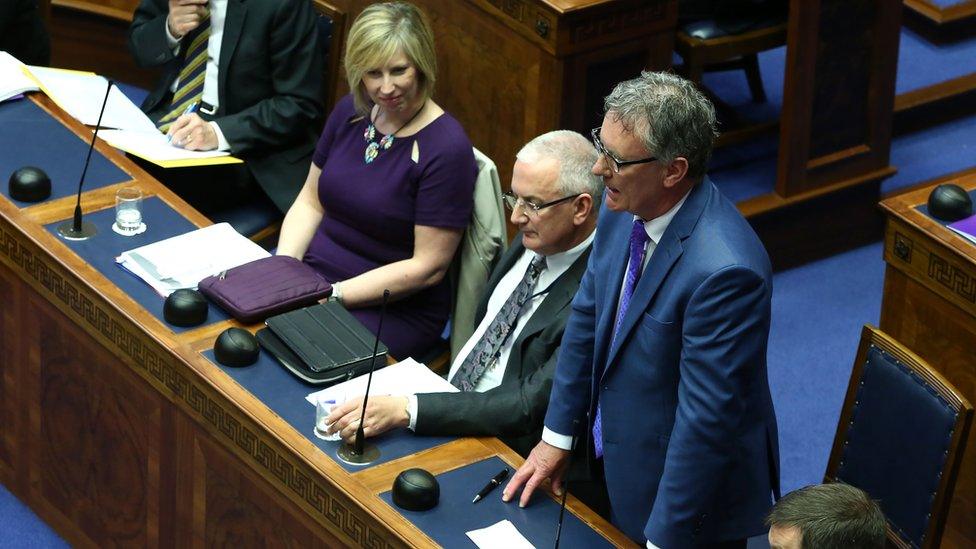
(272, 285)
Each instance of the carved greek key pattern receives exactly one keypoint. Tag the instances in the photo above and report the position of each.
(952, 278)
(23, 257)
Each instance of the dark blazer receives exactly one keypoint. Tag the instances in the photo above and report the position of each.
(22, 32)
(689, 434)
(270, 85)
(514, 410)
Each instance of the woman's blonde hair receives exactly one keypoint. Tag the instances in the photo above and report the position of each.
(377, 34)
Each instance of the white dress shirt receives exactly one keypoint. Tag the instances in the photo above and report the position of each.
(556, 265)
(218, 13)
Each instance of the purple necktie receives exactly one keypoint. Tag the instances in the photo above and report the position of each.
(638, 240)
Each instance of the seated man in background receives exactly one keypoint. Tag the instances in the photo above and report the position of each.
(244, 78)
(504, 371)
(22, 32)
(826, 516)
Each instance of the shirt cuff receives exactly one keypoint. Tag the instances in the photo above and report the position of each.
(174, 42)
(412, 412)
(651, 545)
(563, 442)
(222, 144)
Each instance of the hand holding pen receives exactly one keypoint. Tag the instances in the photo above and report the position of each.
(191, 132)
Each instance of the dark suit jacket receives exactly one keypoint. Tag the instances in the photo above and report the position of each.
(514, 410)
(22, 33)
(689, 434)
(270, 85)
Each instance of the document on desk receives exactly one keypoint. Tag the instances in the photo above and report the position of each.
(407, 377)
(153, 146)
(501, 535)
(81, 95)
(14, 78)
(965, 228)
(183, 260)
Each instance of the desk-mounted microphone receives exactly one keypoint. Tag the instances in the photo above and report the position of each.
(562, 506)
(76, 229)
(361, 452)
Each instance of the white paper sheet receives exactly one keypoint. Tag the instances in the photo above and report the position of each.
(152, 145)
(81, 95)
(501, 535)
(13, 80)
(407, 377)
(182, 261)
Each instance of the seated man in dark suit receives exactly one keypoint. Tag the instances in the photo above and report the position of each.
(826, 516)
(505, 369)
(241, 77)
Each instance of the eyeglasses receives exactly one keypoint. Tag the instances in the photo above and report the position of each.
(612, 161)
(531, 209)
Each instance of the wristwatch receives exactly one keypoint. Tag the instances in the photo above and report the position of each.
(336, 293)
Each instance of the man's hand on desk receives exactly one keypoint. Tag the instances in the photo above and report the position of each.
(382, 414)
(544, 462)
(192, 133)
(185, 15)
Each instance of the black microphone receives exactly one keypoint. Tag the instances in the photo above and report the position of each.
(76, 229)
(562, 506)
(361, 453)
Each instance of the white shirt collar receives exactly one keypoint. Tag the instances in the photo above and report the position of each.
(561, 261)
(655, 227)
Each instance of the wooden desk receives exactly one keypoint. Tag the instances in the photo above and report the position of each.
(117, 431)
(929, 306)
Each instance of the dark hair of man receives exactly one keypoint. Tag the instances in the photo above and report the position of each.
(831, 516)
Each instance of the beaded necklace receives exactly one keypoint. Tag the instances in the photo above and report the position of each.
(372, 147)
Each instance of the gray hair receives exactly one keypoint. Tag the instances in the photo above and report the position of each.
(669, 115)
(575, 156)
(831, 516)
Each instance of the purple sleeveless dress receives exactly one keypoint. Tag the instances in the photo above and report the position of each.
(371, 210)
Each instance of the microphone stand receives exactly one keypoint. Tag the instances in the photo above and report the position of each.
(562, 505)
(361, 452)
(77, 229)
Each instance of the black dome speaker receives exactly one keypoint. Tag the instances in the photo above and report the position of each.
(29, 184)
(950, 202)
(236, 347)
(416, 490)
(185, 308)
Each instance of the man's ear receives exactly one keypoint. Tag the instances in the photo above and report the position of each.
(582, 208)
(675, 172)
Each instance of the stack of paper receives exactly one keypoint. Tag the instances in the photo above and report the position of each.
(14, 78)
(183, 261)
(124, 125)
(407, 377)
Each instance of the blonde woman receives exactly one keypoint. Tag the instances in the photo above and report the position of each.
(389, 191)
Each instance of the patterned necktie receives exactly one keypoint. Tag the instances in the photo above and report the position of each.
(485, 352)
(189, 91)
(638, 240)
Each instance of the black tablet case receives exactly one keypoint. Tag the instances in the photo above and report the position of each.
(322, 344)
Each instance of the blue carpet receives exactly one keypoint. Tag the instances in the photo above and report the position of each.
(20, 527)
(818, 311)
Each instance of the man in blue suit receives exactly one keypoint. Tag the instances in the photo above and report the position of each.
(663, 362)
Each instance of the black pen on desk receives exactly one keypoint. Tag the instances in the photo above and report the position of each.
(492, 484)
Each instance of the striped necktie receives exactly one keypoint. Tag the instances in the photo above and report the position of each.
(194, 71)
(485, 352)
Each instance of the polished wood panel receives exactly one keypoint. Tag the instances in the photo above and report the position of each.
(130, 437)
(94, 434)
(929, 305)
(940, 15)
(10, 363)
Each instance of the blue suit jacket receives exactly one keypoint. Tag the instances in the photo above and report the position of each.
(689, 434)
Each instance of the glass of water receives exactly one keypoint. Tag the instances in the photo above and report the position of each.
(128, 212)
(323, 407)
